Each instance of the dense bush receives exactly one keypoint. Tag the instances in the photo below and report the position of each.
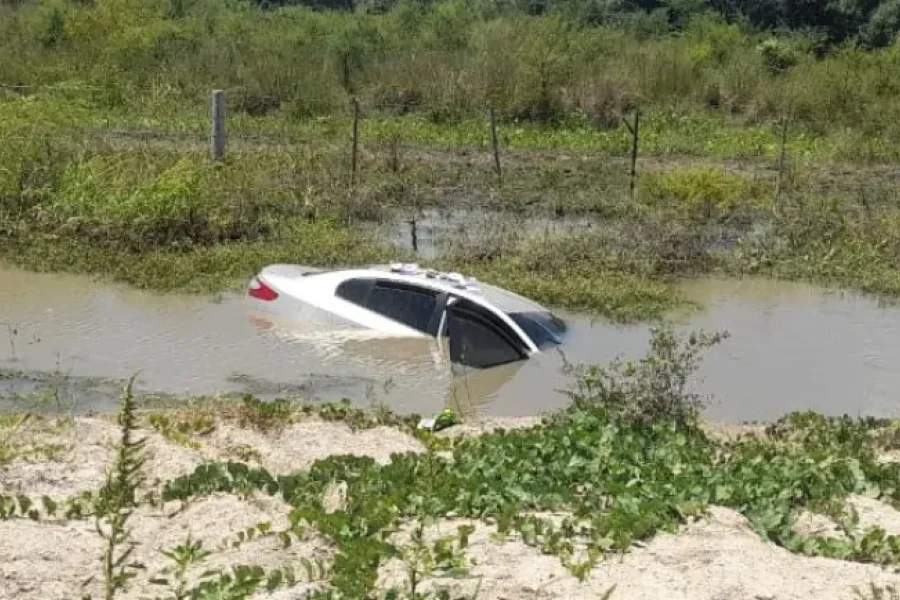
(452, 58)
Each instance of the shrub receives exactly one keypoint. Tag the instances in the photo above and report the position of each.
(777, 56)
(653, 389)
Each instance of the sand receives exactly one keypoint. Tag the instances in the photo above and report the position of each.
(88, 448)
(717, 557)
(51, 560)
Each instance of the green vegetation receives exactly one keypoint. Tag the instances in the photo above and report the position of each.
(104, 164)
(185, 424)
(117, 501)
(16, 445)
(447, 61)
(622, 467)
(629, 458)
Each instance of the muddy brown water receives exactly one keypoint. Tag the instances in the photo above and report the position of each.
(792, 347)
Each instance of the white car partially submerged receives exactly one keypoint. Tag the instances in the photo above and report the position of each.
(484, 325)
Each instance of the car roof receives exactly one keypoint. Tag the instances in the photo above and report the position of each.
(504, 300)
(474, 289)
(478, 291)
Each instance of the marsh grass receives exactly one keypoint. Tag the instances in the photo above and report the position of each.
(155, 213)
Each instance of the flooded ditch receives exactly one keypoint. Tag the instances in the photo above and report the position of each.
(792, 347)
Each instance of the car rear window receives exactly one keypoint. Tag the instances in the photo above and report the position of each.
(354, 290)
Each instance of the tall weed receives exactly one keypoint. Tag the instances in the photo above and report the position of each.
(117, 501)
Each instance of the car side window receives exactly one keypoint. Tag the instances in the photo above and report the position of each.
(354, 290)
(485, 315)
(476, 342)
(412, 306)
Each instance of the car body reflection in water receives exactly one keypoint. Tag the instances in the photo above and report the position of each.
(466, 389)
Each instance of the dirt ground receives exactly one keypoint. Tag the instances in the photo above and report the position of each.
(718, 557)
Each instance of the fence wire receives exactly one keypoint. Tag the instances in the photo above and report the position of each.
(415, 181)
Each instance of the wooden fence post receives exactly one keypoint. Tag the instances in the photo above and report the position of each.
(782, 160)
(495, 142)
(217, 139)
(355, 143)
(414, 233)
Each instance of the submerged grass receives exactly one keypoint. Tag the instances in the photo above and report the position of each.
(628, 459)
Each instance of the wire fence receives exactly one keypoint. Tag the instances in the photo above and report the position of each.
(405, 180)
(226, 132)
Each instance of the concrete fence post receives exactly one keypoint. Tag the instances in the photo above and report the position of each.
(217, 138)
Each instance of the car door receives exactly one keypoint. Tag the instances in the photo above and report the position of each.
(477, 338)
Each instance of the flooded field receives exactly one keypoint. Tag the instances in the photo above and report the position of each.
(435, 232)
(792, 347)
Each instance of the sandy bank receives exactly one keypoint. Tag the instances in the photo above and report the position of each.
(717, 557)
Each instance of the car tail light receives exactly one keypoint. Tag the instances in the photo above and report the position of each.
(261, 291)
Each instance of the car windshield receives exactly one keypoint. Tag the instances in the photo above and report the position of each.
(544, 328)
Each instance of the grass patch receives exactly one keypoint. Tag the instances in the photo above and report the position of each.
(17, 443)
(621, 297)
(203, 270)
(201, 416)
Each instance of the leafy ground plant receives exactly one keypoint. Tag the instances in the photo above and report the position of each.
(183, 556)
(621, 465)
